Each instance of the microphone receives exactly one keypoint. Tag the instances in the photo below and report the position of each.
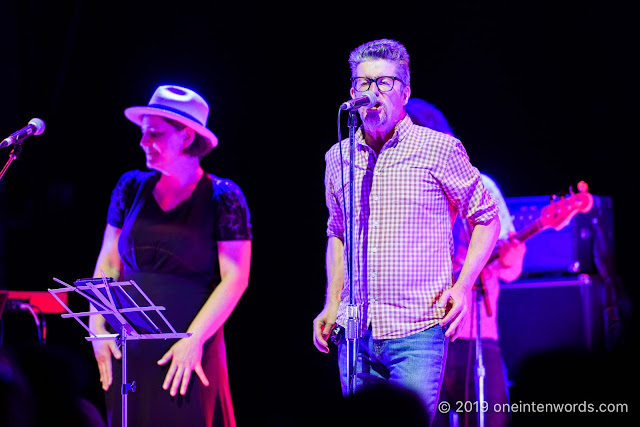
(35, 127)
(368, 100)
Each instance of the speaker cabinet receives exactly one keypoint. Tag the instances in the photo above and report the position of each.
(541, 316)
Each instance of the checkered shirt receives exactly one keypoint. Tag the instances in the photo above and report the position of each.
(406, 200)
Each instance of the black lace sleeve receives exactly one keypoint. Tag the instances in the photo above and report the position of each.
(122, 198)
(232, 212)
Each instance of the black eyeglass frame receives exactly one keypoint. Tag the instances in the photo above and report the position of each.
(370, 80)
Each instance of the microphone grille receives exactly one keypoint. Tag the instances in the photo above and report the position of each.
(39, 125)
(372, 98)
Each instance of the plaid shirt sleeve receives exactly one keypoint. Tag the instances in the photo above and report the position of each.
(463, 185)
(334, 191)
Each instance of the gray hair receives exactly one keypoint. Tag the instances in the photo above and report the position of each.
(387, 49)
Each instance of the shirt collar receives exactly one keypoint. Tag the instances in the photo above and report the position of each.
(400, 132)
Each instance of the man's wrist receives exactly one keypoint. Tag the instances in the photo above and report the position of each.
(332, 301)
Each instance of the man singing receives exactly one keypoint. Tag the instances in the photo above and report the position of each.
(410, 183)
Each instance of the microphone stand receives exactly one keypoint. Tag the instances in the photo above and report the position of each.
(352, 327)
(481, 296)
(13, 155)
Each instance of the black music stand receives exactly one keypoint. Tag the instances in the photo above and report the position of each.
(126, 314)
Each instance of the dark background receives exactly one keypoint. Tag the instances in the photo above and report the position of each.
(539, 94)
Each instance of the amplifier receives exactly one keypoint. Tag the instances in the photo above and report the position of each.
(544, 316)
(568, 251)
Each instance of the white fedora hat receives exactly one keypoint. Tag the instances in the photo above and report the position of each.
(177, 103)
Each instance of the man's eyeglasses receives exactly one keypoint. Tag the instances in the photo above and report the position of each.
(384, 83)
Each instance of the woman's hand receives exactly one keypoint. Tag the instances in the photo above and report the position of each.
(103, 350)
(185, 356)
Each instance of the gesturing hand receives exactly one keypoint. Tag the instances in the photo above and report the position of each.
(102, 350)
(186, 357)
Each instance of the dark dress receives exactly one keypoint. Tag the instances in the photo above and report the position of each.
(173, 257)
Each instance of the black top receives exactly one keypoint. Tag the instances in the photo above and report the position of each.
(192, 250)
(173, 256)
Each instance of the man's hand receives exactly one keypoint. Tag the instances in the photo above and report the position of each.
(322, 327)
(511, 251)
(458, 311)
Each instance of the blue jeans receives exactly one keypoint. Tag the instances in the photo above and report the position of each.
(415, 362)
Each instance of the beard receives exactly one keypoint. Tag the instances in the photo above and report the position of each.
(373, 119)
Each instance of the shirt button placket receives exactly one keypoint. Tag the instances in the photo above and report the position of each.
(376, 239)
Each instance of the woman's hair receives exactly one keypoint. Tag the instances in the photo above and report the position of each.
(198, 148)
(390, 50)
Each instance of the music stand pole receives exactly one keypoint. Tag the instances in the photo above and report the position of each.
(352, 328)
(126, 387)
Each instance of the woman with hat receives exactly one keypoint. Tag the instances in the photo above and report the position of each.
(184, 236)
